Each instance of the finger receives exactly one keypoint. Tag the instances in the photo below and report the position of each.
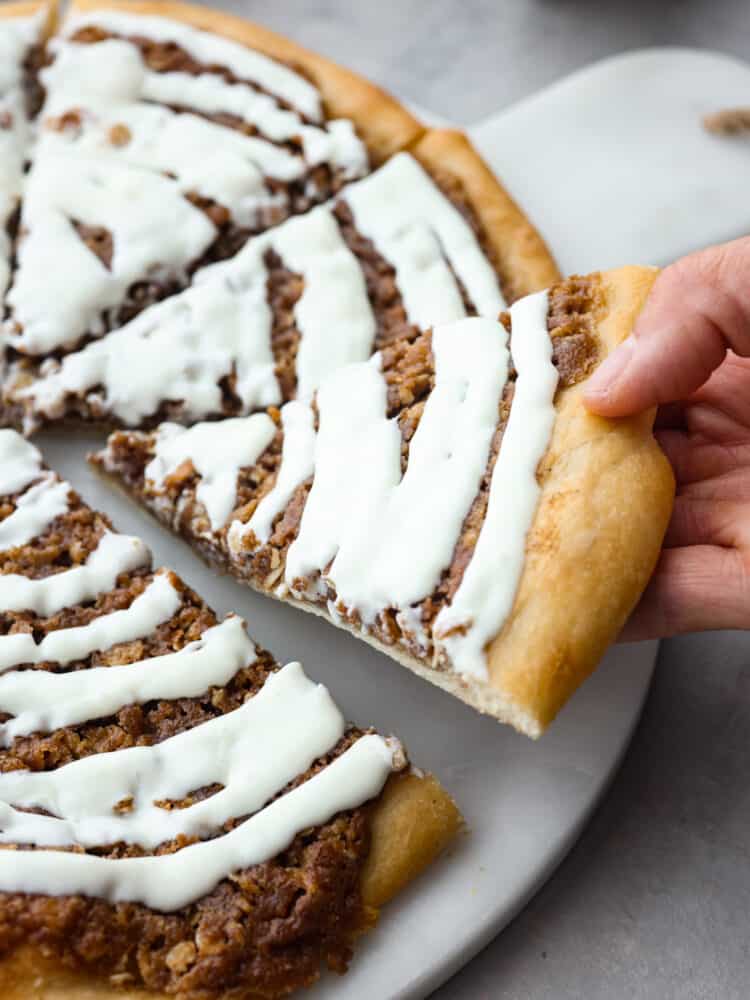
(696, 521)
(693, 589)
(697, 310)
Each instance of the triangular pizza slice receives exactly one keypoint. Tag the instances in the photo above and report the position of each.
(178, 812)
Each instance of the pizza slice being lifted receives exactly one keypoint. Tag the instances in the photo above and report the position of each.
(449, 500)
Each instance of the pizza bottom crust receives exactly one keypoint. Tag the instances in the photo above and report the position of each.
(412, 823)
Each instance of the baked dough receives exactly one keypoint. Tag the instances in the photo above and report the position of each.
(520, 254)
(412, 824)
(26, 8)
(607, 496)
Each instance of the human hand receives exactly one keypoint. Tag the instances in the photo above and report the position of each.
(690, 356)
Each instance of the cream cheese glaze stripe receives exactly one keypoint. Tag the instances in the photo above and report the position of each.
(35, 511)
(20, 463)
(297, 465)
(248, 751)
(108, 169)
(223, 324)
(17, 35)
(171, 881)
(114, 554)
(43, 701)
(157, 604)
(210, 50)
(485, 596)
(216, 458)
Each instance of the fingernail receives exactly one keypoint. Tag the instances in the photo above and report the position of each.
(611, 370)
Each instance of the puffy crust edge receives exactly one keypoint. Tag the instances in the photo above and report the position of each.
(607, 495)
(519, 252)
(26, 8)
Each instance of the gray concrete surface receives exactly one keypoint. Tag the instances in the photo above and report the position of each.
(654, 901)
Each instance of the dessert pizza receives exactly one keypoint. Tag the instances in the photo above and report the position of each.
(163, 148)
(178, 812)
(449, 500)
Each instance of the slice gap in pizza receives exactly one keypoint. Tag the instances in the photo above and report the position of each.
(450, 500)
(178, 812)
(428, 237)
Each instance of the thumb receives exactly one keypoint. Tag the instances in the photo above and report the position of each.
(698, 309)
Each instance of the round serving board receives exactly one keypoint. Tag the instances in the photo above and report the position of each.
(524, 803)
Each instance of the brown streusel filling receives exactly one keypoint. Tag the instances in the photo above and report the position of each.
(284, 288)
(263, 932)
(320, 182)
(408, 368)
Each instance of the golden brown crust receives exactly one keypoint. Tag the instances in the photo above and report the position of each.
(382, 122)
(606, 499)
(412, 822)
(26, 8)
(520, 254)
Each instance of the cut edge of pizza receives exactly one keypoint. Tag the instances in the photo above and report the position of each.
(182, 841)
(451, 500)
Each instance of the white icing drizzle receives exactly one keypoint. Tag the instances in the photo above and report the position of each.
(17, 35)
(333, 314)
(20, 462)
(390, 536)
(297, 465)
(35, 511)
(158, 602)
(210, 50)
(419, 231)
(394, 550)
(248, 751)
(171, 881)
(181, 348)
(486, 593)
(112, 85)
(217, 453)
(230, 168)
(113, 555)
(177, 350)
(61, 289)
(357, 455)
(43, 701)
(336, 144)
(253, 752)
